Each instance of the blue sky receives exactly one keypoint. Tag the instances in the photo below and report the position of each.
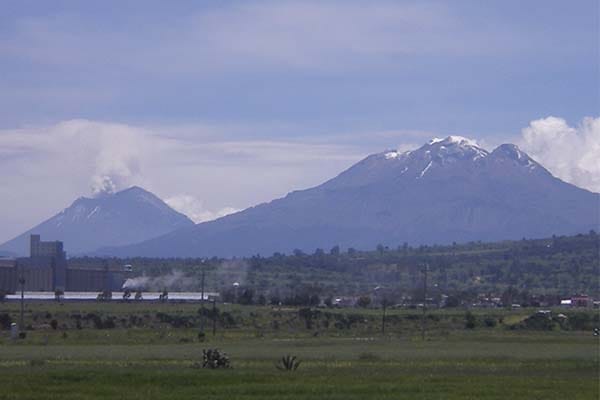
(305, 87)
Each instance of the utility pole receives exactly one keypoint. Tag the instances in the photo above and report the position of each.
(383, 317)
(22, 319)
(425, 271)
(384, 304)
(214, 317)
(202, 301)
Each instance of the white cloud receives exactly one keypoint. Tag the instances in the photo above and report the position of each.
(108, 155)
(195, 210)
(570, 153)
(45, 168)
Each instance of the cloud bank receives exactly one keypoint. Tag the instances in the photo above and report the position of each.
(195, 209)
(570, 153)
(196, 169)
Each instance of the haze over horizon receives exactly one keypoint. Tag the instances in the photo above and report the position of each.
(217, 107)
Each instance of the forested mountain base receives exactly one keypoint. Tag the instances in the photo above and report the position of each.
(524, 270)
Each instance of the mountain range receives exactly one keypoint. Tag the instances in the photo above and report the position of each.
(129, 216)
(448, 190)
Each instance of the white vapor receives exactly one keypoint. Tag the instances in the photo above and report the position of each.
(195, 210)
(570, 153)
(176, 280)
(199, 169)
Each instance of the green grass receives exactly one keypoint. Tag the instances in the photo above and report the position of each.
(155, 361)
(483, 379)
(554, 367)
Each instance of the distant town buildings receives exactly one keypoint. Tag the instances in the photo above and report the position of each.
(47, 269)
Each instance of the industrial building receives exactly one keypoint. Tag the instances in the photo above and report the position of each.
(47, 269)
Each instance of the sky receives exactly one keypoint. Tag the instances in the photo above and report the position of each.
(217, 106)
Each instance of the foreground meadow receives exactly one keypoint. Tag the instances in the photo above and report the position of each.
(160, 361)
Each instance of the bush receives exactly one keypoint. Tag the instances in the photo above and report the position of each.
(490, 322)
(5, 321)
(470, 320)
(363, 301)
(215, 359)
(37, 363)
(366, 356)
(537, 322)
(580, 321)
(227, 319)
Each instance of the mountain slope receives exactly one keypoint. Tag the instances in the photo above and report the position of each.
(447, 190)
(122, 218)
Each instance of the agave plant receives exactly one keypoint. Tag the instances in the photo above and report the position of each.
(288, 363)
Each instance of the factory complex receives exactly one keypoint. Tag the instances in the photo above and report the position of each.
(48, 270)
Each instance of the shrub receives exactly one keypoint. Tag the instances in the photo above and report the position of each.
(580, 321)
(214, 359)
(363, 301)
(366, 356)
(5, 321)
(227, 319)
(470, 320)
(490, 322)
(37, 362)
(288, 363)
(537, 322)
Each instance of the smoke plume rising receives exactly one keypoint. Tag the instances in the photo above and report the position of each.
(175, 281)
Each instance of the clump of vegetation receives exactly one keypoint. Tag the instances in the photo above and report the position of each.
(288, 363)
(490, 322)
(176, 321)
(215, 359)
(368, 356)
(37, 362)
(5, 321)
(538, 322)
(470, 320)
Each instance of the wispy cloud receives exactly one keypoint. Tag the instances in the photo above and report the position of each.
(248, 35)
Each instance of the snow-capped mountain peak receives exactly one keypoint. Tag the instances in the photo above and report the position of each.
(447, 190)
(451, 149)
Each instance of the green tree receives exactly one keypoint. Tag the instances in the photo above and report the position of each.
(363, 301)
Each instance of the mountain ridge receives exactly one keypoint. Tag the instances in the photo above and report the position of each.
(125, 217)
(447, 190)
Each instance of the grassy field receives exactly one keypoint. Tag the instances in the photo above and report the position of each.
(157, 361)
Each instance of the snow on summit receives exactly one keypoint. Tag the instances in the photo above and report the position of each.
(450, 140)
